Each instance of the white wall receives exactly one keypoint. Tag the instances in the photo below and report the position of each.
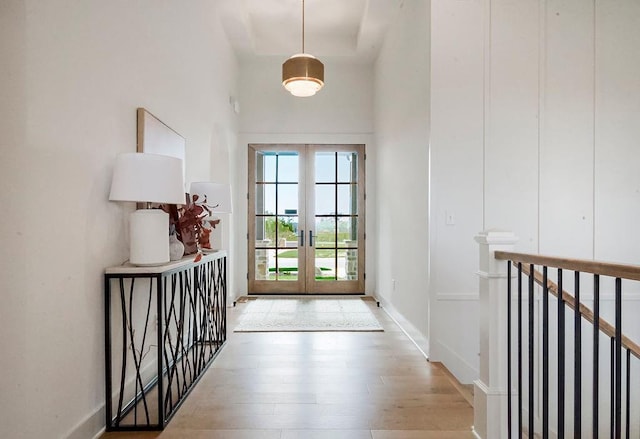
(402, 139)
(72, 76)
(535, 121)
(340, 113)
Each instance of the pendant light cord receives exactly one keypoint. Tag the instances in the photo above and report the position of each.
(302, 26)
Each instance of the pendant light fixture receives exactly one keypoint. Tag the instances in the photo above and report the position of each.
(303, 74)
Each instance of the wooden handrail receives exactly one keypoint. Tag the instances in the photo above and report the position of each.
(569, 299)
(623, 271)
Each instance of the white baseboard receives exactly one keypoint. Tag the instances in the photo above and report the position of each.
(458, 366)
(93, 426)
(456, 297)
(100, 433)
(407, 327)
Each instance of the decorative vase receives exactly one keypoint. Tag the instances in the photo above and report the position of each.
(176, 248)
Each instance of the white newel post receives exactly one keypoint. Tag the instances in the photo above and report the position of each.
(490, 393)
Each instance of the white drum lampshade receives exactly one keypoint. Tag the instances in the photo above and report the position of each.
(148, 178)
(218, 196)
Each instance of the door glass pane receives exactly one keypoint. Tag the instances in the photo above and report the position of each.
(288, 167)
(325, 233)
(349, 262)
(347, 199)
(265, 167)
(325, 199)
(347, 167)
(348, 232)
(287, 261)
(288, 232)
(265, 231)
(325, 264)
(325, 167)
(287, 198)
(265, 199)
(264, 263)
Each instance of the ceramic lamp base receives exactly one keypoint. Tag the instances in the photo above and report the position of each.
(148, 237)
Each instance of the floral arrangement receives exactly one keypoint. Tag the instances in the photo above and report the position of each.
(195, 225)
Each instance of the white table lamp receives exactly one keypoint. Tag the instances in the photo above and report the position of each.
(218, 196)
(148, 178)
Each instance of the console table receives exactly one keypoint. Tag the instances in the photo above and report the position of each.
(163, 328)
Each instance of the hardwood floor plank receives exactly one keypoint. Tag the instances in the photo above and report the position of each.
(421, 434)
(326, 434)
(314, 385)
(221, 434)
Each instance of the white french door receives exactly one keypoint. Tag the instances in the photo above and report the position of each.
(306, 219)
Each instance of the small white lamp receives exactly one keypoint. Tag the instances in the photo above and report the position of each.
(218, 197)
(148, 178)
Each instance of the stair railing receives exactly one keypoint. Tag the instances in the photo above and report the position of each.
(619, 423)
(545, 369)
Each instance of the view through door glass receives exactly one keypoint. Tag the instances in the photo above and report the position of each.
(276, 214)
(306, 218)
(336, 217)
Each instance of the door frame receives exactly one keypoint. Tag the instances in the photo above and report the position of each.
(306, 282)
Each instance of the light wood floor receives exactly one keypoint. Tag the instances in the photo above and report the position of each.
(320, 385)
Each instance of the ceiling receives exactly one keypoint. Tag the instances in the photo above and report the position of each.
(340, 28)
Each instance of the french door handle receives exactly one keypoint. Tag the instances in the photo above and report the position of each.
(311, 238)
(301, 243)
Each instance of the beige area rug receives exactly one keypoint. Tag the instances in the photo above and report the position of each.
(306, 314)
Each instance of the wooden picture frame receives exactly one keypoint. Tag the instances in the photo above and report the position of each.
(156, 137)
